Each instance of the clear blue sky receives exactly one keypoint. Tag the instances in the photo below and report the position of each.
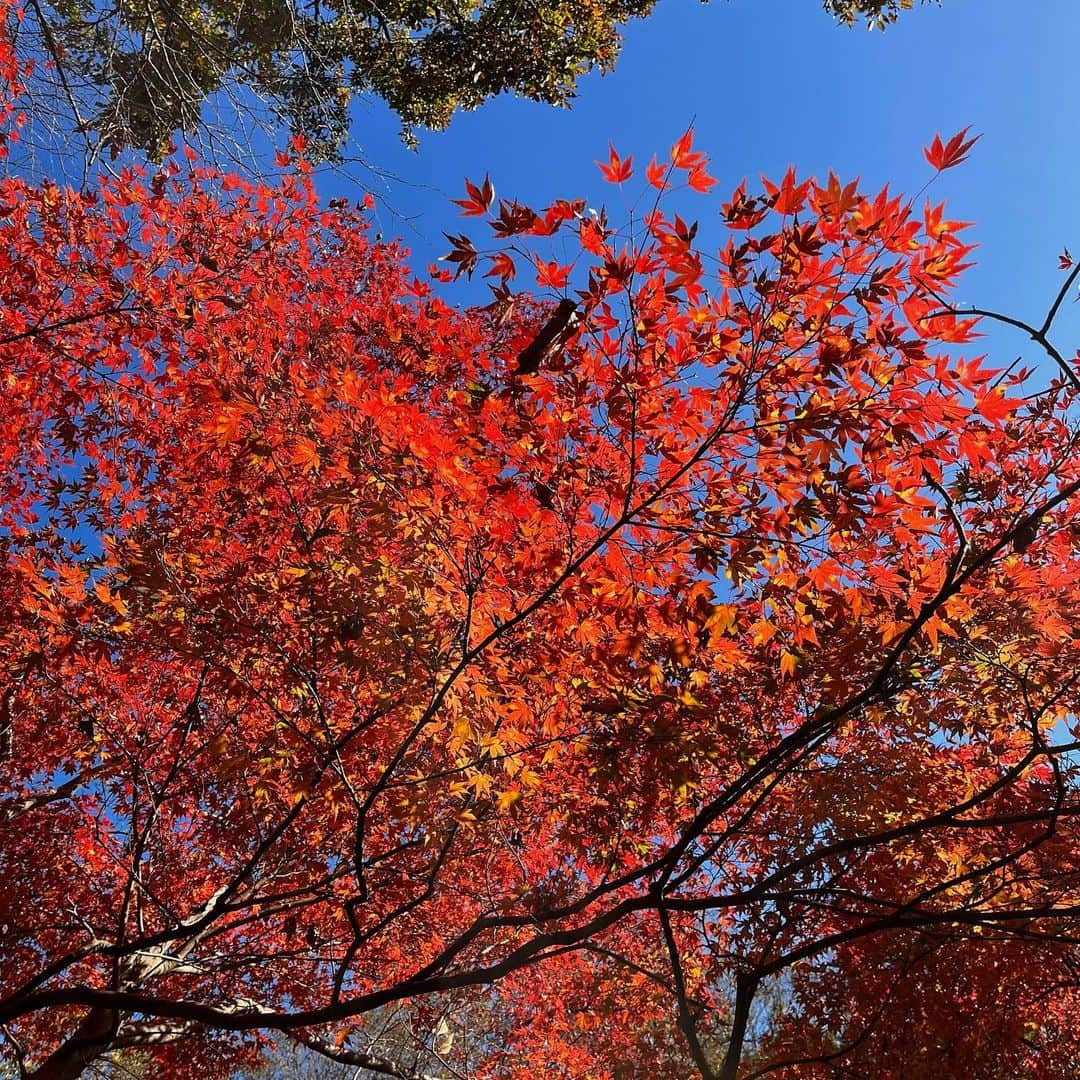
(770, 83)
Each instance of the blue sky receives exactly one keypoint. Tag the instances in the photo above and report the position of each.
(770, 83)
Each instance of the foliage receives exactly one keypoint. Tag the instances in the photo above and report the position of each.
(134, 74)
(875, 13)
(576, 703)
(137, 73)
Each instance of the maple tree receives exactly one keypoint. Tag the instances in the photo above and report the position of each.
(671, 673)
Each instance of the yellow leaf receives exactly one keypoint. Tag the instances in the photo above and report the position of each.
(788, 663)
(507, 799)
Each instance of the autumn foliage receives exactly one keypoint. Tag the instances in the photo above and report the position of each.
(695, 699)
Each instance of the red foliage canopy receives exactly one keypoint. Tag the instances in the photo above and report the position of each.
(697, 701)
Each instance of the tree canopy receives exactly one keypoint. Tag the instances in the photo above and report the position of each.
(138, 73)
(672, 671)
(134, 74)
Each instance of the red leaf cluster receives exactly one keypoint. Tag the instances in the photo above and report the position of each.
(569, 683)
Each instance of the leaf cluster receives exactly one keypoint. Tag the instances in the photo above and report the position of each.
(558, 680)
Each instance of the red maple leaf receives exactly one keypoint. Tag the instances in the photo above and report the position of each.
(945, 155)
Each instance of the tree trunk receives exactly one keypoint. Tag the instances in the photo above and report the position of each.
(91, 1039)
(746, 986)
